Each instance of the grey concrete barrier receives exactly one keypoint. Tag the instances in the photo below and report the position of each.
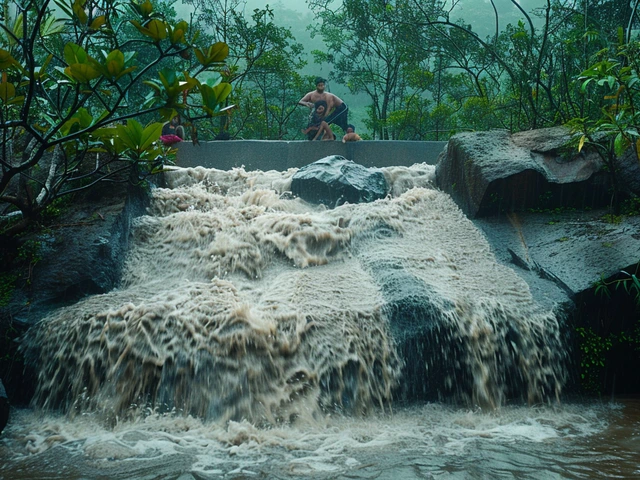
(281, 155)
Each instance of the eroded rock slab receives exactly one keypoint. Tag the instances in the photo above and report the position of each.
(572, 249)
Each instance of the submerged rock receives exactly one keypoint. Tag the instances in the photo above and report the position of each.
(334, 180)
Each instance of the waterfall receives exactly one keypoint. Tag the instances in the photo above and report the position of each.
(239, 301)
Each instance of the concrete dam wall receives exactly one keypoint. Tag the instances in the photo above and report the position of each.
(281, 155)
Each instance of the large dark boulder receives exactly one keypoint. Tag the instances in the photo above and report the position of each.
(335, 180)
(81, 252)
(416, 322)
(495, 171)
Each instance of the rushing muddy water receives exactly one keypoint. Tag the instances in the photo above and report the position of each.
(240, 302)
(255, 335)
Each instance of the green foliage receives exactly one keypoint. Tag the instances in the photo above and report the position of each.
(593, 350)
(7, 286)
(71, 83)
(630, 283)
(611, 82)
(631, 207)
(611, 218)
(57, 207)
(594, 347)
(30, 251)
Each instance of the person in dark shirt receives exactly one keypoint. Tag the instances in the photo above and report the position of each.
(172, 132)
(337, 110)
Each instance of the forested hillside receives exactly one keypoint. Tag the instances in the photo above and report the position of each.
(419, 70)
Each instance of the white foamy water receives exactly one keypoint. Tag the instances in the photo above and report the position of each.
(240, 302)
(258, 336)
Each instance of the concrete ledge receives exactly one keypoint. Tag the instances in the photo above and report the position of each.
(281, 155)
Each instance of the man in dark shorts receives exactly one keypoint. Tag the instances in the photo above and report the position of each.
(337, 109)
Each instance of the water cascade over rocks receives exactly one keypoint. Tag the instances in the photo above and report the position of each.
(242, 302)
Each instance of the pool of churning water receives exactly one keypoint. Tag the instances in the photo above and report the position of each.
(581, 440)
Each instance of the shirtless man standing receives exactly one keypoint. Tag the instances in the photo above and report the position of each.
(337, 109)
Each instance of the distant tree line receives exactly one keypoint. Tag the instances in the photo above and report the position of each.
(426, 73)
(429, 74)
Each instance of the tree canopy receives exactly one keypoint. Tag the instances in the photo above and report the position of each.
(71, 89)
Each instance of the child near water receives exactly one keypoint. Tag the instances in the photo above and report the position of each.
(317, 125)
(351, 135)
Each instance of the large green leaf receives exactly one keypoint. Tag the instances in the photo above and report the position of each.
(149, 135)
(98, 22)
(146, 8)
(17, 30)
(168, 78)
(218, 52)
(78, 11)
(222, 91)
(51, 26)
(620, 144)
(200, 55)
(7, 91)
(133, 137)
(74, 54)
(80, 120)
(154, 84)
(115, 63)
(6, 60)
(177, 33)
(130, 134)
(81, 72)
(155, 29)
(42, 71)
(105, 132)
(158, 29)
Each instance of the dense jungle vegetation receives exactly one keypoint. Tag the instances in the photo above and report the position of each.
(87, 84)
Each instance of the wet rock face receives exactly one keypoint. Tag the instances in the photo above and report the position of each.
(628, 166)
(4, 407)
(334, 180)
(81, 254)
(492, 172)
